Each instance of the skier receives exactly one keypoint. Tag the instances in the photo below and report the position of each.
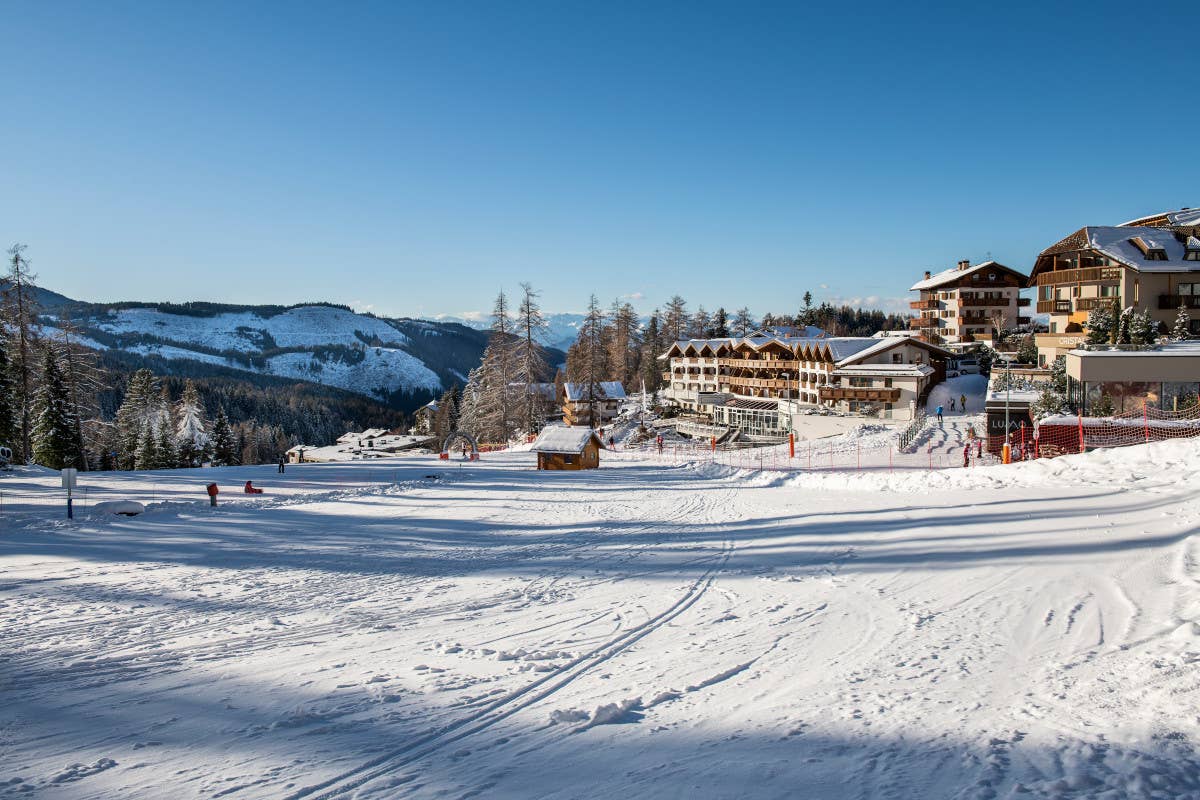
(951, 403)
(659, 442)
(939, 415)
(967, 454)
(962, 402)
(282, 464)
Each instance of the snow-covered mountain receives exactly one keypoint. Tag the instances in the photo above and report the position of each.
(561, 329)
(399, 361)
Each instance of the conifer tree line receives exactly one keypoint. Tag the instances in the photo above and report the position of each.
(500, 399)
(60, 407)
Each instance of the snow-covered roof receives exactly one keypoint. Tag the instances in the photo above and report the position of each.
(607, 390)
(1117, 243)
(432, 405)
(562, 439)
(1182, 217)
(886, 370)
(876, 346)
(1190, 347)
(369, 433)
(954, 273)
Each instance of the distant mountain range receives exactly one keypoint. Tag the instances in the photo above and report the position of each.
(561, 329)
(400, 362)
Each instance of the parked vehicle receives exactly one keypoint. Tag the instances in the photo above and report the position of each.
(5, 458)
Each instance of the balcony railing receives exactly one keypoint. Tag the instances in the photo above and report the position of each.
(998, 302)
(1170, 301)
(761, 383)
(925, 322)
(1085, 275)
(1092, 303)
(1054, 307)
(856, 393)
(758, 363)
(925, 305)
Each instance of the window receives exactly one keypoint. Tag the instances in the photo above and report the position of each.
(1156, 254)
(1192, 254)
(975, 277)
(1108, 290)
(897, 358)
(1188, 289)
(568, 459)
(991, 276)
(887, 382)
(860, 383)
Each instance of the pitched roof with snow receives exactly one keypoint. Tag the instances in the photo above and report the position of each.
(605, 390)
(1118, 243)
(882, 345)
(954, 274)
(561, 439)
(1183, 218)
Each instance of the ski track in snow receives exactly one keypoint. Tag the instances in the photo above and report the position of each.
(420, 629)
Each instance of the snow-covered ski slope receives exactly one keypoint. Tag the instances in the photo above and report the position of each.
(416, 628)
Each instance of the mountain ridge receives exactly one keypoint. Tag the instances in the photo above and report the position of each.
(401, 362)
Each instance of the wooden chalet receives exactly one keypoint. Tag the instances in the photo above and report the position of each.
(563, 448)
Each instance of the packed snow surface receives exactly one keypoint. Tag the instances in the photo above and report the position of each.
(418, 628)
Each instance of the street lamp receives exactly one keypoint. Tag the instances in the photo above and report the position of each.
(1006, 453)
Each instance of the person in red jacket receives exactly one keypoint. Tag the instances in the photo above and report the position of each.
(212, 494)
(251, 490)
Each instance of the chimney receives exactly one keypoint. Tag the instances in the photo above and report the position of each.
(928, 275)
(966, 262)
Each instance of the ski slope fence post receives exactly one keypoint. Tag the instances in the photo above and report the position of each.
(1081, 430)
(1146, 420)
(791, 444)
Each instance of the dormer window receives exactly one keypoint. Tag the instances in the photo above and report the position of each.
(991, 276)
(1149, 250)
(1192, 253)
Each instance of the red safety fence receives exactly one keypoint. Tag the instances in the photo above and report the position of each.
(1063, 434)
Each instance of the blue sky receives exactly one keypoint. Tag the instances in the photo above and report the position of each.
(416, 158)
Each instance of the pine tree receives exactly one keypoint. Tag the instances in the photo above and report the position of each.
(530, 362)
(165, 449)
(1182, 328)
(743, 322)
(675, 319)
(139, 409)
(807, 315)
(1027, 352)
(586, 360)
(191, 437)
(225, 444)
(652, 348)
(1100, 325)
(85, 380)
(1123, 326)
(720, 324)
(146, 456)
(55, 433)
(700, 324)
(8, 407)
(1142, 328)
(494, 396)
(20, 318)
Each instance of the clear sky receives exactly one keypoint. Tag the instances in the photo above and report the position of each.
(413, 159)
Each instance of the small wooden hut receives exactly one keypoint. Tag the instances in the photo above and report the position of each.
(560, 447)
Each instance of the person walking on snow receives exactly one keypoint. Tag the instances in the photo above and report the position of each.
(962, 402)
(951, 403)
(967, 454)
(939, 415)
(282, 462)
